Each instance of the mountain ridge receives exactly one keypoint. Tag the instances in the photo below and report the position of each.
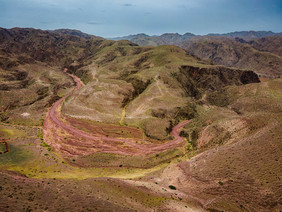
(105, 144)
(239, 34)
(263, 47)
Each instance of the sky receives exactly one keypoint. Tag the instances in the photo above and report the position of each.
(112, 18)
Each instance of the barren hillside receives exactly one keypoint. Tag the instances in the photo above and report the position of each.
(112, 126)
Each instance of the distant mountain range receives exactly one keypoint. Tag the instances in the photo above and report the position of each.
(143, 39)
(164, 39)
(247, 34)
(259, 51)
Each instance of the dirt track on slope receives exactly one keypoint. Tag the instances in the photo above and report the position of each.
(65, 138)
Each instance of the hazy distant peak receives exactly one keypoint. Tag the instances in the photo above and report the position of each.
(156, 40)
(247, 34)
(73, 32)
(130, 37)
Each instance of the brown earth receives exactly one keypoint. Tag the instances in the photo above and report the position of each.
(78, 142)
(230, 161)
(229, 52)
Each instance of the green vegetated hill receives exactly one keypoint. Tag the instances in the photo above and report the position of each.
(232, 143)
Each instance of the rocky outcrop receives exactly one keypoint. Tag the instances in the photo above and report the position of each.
(195, 81)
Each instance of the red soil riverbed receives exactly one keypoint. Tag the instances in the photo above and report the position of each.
(66, 138)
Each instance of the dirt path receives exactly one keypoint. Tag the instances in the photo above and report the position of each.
(124, 146)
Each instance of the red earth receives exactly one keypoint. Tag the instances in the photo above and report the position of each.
(64, 137)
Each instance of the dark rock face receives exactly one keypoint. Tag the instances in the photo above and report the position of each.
(195, 80)
(249, 77)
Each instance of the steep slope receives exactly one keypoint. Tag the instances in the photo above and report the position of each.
(56, 48)
(271, 44)
(31, 69)
(229, 52)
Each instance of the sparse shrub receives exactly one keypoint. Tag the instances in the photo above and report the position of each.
(172, 187)
(41, 121)
(40, 135)
(43, 144)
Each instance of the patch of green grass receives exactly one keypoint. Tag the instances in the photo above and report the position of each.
(7, 132)
(18, 155)
(145, 161)
(2, 147)
(40, 135)
(41, 121)
(10, 132)
(43, 144)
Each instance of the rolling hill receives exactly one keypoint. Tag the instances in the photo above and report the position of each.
(259, 51)
(112, 126)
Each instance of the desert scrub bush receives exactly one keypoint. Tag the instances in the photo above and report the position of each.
(191, 138)
(41, 121)
(45, 145)
(189, 146)
(172, 187)
(67, 99)
(186, 112)
(4, 116)
(40, 135)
